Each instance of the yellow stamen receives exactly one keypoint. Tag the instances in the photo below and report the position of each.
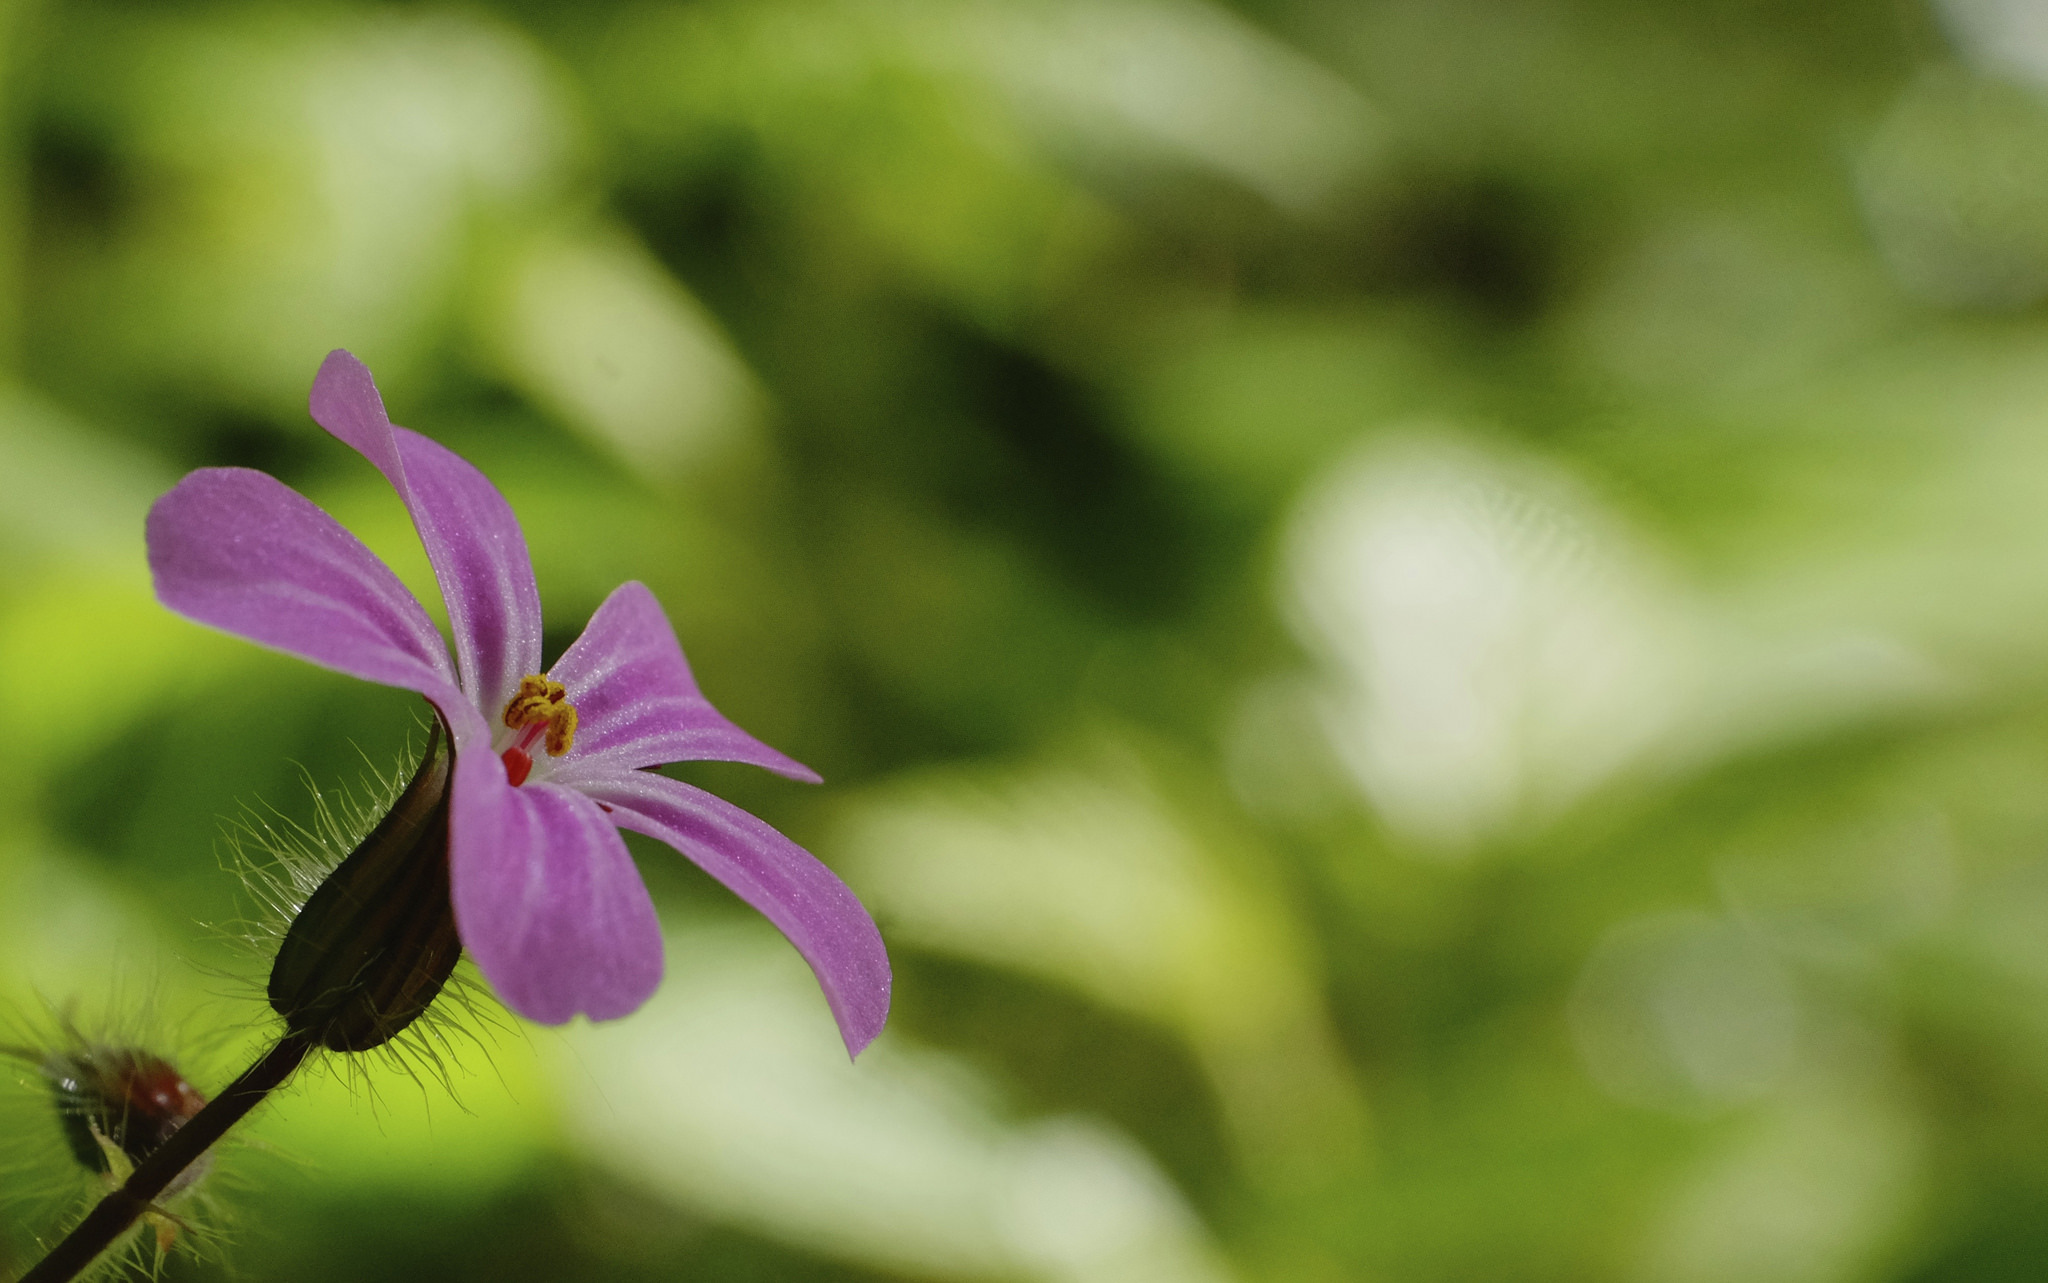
(534, 701)
(542, 702)
(561, 729)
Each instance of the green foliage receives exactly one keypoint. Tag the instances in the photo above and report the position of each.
(1424, 617)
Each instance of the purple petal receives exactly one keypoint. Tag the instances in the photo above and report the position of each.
(785, 882)
(472, 538)
(636, 703)
(547, 898)
(345, 401)
(245, 553)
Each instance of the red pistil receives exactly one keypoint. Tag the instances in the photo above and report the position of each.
(519, 758)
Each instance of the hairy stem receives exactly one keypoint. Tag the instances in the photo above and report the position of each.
(123, 1207)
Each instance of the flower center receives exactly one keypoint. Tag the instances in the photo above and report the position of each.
(539, 709)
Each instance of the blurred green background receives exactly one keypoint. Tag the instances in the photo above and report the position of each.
(1427, 620)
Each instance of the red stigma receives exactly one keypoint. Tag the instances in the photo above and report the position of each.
(517, 765)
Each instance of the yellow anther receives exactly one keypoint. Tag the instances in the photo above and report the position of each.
(541, 702)
(535, 701)
(561, 729)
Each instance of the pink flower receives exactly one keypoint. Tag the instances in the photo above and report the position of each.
(548, 766)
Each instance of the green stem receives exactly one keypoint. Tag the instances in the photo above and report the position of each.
(123, 1207)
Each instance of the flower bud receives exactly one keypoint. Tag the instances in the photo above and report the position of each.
(121, 1099)
(376, 940)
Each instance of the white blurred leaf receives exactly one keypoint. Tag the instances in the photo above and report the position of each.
(1499, 646)
(730, 1093)
(1181, 78)
(1087, 878)
(597, 331)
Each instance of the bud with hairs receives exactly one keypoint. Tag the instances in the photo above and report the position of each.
(100, 1105)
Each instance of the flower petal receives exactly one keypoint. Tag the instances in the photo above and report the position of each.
(802, 897)
(243, 552)
(473, 540)
(637, 704)
(547, 899)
